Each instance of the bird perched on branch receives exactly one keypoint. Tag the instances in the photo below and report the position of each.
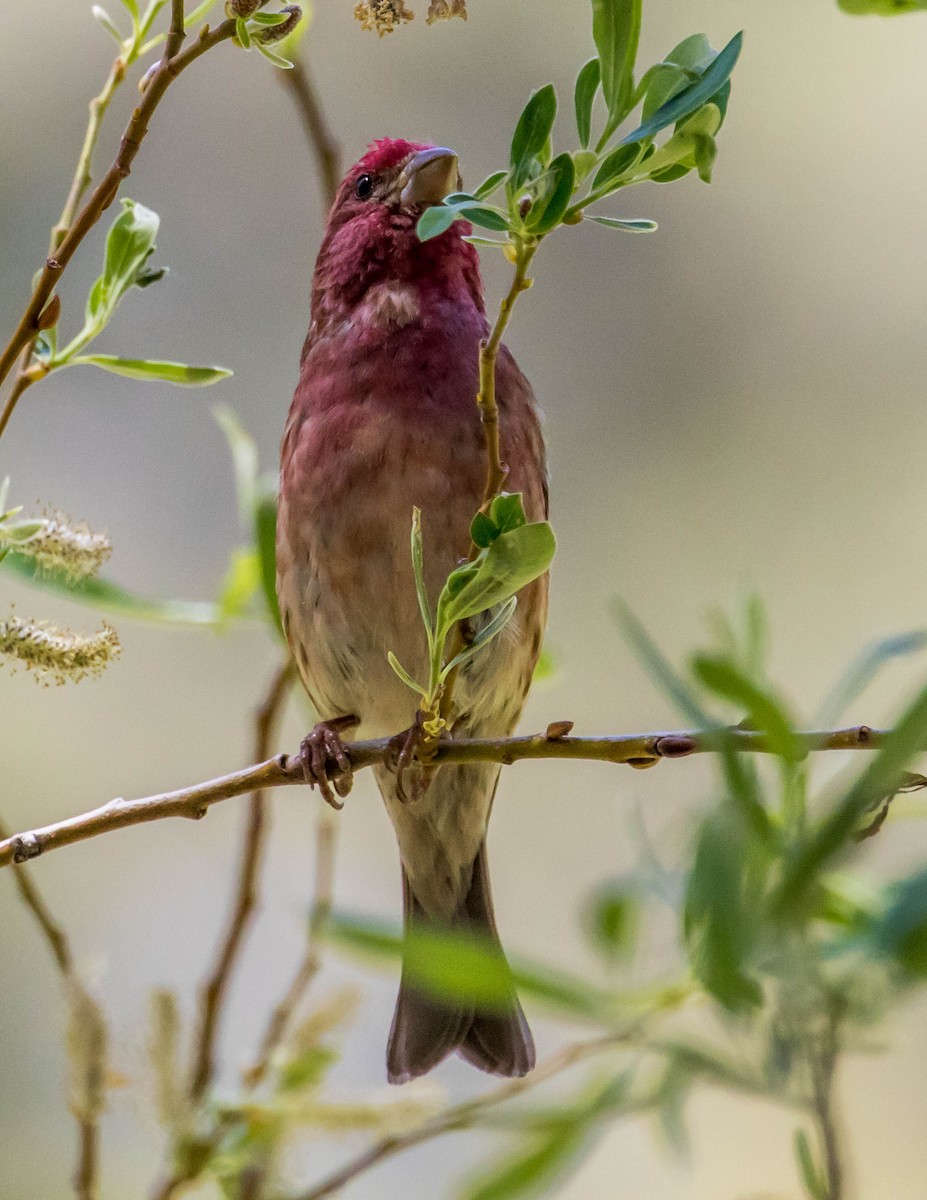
(385, 418)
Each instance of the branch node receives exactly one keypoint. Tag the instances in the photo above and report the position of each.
(674, 745)
(863, 734)
(25, 847)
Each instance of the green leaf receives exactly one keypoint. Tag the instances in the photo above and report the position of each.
(487, 218)
(863, 670)
(435, 220)
(244, 459)
(761, 707)
(438, 218)
(483, 531)
(812, 1178)
(242, 34)
(463, 964)
(111, 598)
(627, 224)
(666, 82)
(102, 17)
(882, 8)
(532, 134)
(546, 667)
(880, 779)
(445, 963)
(693, 53)
(262, 18)
(613, 166)
(265, 535)
(692, 145)
(694, 96)
(495, 243)
(658, 668)
(532, 1172)
(272, 57)
(490, 184)
(131, 7)
(404, 675)
(513, 560)
(587, 84)
(704, 1061)
(307, 1070)
(616, 27)
(721, 910)
(151, 369)
(484, 637)
(418, 571)
(507, 511)
(129, 244)
(901, 931)
(555, 191)
(241, 582)
(611, 920)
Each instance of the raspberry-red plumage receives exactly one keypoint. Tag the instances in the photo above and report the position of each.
(384, 418)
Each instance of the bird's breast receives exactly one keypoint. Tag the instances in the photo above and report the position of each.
(372, 434)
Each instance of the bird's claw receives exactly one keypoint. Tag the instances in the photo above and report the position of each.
(400, 757)
(325, 761)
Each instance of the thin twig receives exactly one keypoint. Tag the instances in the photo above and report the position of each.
(823, 1069)
(299, 83)
(461, 1116)
(82, 177)
(31, 896)
(103, 195)
(86, 1169)
(267, 720)
(281, 1018)
(636, 750)
(79, 184)
(496, 469)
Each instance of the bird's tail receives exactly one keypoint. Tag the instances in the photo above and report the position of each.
(426, 1030)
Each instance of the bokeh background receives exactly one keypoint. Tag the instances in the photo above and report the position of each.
(734, 403)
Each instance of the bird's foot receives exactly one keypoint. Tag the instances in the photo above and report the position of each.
(402, 757)
(325, 761)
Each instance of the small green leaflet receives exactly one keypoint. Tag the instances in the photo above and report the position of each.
(143, 368)
(694, 96)
(629, 225)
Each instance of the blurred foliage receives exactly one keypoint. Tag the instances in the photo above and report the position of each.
(782, 933)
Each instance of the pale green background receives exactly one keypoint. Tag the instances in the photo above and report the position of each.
(735, 402)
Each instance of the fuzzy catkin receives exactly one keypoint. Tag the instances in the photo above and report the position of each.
(70, 547)
(382, 16)
(59, 654)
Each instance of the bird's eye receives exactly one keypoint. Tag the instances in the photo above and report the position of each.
(364, 187)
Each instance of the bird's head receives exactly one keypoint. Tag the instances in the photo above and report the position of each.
(370, 243)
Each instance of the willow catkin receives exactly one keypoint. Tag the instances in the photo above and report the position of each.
(57, 654)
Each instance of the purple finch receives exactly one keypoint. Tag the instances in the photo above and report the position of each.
(384, 419)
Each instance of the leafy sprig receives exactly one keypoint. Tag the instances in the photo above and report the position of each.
(511, 553)
(689, 90)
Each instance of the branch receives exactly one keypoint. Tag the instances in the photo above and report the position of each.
(496, 470)
(635, 750)
(327, 151)
(267, 719)
(86, 1169)
(281, 1018)
(160, 78)
(462, 1116)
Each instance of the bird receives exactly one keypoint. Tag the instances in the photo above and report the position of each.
(384, 419)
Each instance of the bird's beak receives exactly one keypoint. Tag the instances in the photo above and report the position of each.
(428, 177)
